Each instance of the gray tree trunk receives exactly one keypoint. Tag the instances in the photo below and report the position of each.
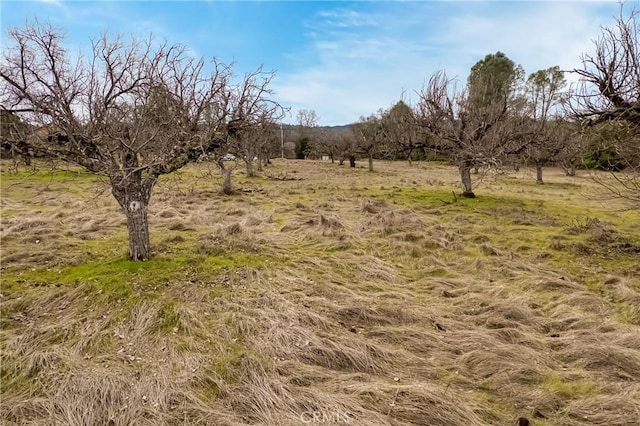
(226, 178)
(227, 188)
(133, 197)
(370, 162)
(465, 178)
(249, 164)
(539, 180)
(569, 168)
(138, 227)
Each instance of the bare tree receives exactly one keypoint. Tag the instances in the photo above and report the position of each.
(253, 116)
(307, 132)
(468, 135)
(307, 118)
(270, 142)
(610, 77)
(369, 136)
(471, 125)
(402, 130)
(131, 110)
(544, 94)
(345, 147)
(609, 90)
(324, 143)
(569, 142)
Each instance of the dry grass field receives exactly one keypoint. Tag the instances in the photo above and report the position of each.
(337, 297)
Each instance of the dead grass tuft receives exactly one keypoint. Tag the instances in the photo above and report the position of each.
(373, 206)
(388, 221)
(330, 222)
(610, 360)
(511, 363)
(489, 250)
(418, 404)
(606, 410)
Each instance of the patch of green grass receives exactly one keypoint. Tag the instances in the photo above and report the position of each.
(169, 318)
(627, 314)
(573, 389)
(531, 182)
(499, 407)
(438, 273)
(44, 176)
(233, 260)
(15, 381)
(227, 364)
(118, 278)
(7, 213)
(414, 197)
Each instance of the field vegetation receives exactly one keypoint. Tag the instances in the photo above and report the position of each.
(336, 294)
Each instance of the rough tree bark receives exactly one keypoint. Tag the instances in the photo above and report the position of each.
(539, 180)
(227, 188)
(569, 168)
(465, 178)
(133, 192)
(134, 205)
(249, 165)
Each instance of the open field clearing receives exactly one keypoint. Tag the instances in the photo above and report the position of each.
(340, 296)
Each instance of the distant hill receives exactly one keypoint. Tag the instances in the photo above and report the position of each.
(341, 128)
(291, 131)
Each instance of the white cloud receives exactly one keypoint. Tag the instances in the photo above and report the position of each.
(353, 71)
(53, 2)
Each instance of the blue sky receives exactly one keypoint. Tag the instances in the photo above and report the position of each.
(342, 59)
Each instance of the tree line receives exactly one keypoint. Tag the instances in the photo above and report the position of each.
(133, 110)
(502, 117)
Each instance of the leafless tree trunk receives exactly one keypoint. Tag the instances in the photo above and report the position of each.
(227, 188)
(465, 178)
(260, 162)
(569, 167)
(134, 204)
(248, 161)
(539, 180)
